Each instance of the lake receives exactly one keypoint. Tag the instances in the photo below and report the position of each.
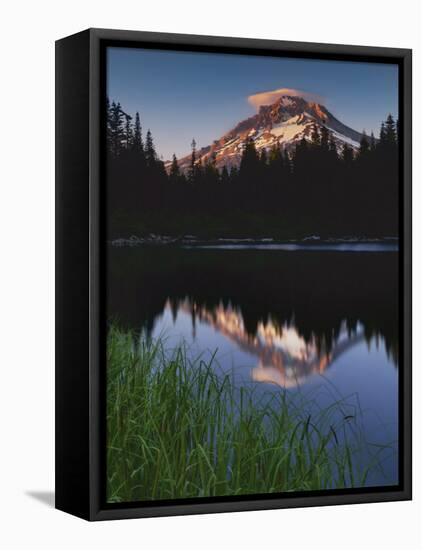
(310, 321)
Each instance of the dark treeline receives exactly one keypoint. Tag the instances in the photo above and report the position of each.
(314, 188)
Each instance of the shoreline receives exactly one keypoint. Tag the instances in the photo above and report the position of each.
(312, 242)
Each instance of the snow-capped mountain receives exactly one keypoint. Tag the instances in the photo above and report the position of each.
(282, 124)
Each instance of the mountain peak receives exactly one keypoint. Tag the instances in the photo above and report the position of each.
(282, 124)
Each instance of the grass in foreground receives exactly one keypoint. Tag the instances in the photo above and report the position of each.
(176, 429)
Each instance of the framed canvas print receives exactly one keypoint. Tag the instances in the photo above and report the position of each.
(233, 274)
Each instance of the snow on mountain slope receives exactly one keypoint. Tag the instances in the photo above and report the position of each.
(282, 124)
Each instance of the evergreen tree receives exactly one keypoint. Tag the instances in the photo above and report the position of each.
(383, 137)
(128, 135)
(150, 154)
(234, 174)
(347, 154)
(211, 176)
(116, 128)
(390, 131)
(364, 145)
(300, 157)
(332, 148)
(249, 161)
(174, 170)
(137, 144)
(108, 124)
(193, 168)
(325, 139)
(315, 137)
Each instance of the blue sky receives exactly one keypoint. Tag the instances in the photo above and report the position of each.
(183, 95)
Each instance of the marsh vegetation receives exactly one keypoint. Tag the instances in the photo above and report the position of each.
(178, 428)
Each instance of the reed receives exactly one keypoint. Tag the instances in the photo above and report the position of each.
(178, 428)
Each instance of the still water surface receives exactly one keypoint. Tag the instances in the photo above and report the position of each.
(320, 323)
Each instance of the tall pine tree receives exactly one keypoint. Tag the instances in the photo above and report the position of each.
(137, 143)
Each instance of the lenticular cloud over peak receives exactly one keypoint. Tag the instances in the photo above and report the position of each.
(269, 97)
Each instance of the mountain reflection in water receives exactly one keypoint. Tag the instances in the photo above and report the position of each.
(318, 294)
(283, 356)
(321, 322)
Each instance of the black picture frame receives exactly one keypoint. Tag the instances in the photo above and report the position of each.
(80, 273)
